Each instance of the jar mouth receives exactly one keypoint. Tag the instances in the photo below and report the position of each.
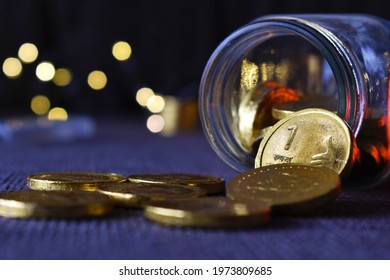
(287, 43)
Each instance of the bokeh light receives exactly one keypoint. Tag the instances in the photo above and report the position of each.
(155, 123)
(143, 95)
(170, 115)
(40, 104)
(121, 50)
(45, 71)
(57, 114)
(28, 53)
(97, 80)
(62, 77)
(155, 103)
(12, 67)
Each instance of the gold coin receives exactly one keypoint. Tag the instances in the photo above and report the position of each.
(53, 204)
(285, 109)
(310, 137)
(71, 181)
(288, 188)
(212, 185)
(137, 194)
(208, 212)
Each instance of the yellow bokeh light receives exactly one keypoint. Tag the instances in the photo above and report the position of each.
(45, 71)
(121, 50)
(155, 103)
(62, 77)
(57, 114)
(97, 80)
(143, 95)
(12, 67)
(28, 53)
(40, 104)
(155, 123)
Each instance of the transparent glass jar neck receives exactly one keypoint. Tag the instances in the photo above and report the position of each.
(345, 66)
(215, 109)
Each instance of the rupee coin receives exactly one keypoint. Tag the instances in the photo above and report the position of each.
(213, 212)
(137, 194)
(211, 184)
(311, 137)
(86, 181)
(53, 204)
(288, 188)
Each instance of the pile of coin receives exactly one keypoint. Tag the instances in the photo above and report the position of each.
(302, 155)
(173, 199)
(176, 199)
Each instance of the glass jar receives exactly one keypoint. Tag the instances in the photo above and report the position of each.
(343, 56)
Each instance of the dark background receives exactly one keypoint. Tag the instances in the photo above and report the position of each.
(171, 43)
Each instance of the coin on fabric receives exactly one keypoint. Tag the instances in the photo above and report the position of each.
(53, 204)
(285, 109)
(288, 188)
(70, 181)
(212, 212)
(212, 185)
(137, 194)
(311, 137)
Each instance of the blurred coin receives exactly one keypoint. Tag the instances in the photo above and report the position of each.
(208, 212)
(247, 109)
(53, 204)
(254, 112)
(285, 109)
(86, 181)
(310, 137)
(136, 194)
(212, 185)
(288, 188)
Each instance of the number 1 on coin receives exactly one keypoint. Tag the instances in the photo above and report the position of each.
(293, 129)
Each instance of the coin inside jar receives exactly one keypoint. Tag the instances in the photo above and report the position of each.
(211, 184)
(53, 204)
(311, 137)
(288, 188)
(86, 181)
(214, 212)
(285, 109)
(137, 194)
